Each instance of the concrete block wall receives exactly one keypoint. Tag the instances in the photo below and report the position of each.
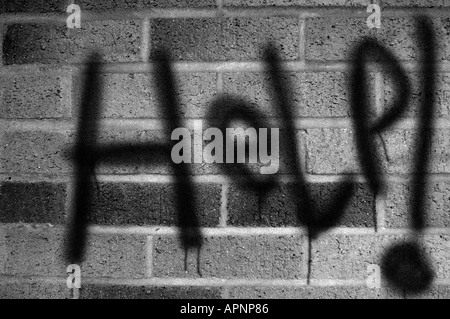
(254, 247)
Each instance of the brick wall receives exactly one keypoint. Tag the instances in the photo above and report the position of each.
(254, 247)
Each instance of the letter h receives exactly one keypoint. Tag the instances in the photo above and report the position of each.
(87, 155)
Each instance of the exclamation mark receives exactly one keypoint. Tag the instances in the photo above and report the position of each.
(405, 265)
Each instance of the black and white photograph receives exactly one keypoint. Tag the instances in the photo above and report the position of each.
(219, 155)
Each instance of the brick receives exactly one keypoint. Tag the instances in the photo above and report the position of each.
(3, 250)
(40, 251)
(91, 291)
(398, 214)
(178, 3)
(207, 200)
(196, 91)
(123, 164)
(115, 256)
(436, 247)
(330, 151)
(35, 152)
(128, 204)
(243, 207)
(123, 95)
(435, 292)
(34, 290)
(347, 257)
(442, 95)
(41, 6)
(278, 209)
(334, 38)
(34, 252)
(38, 6)
(311, 292)
(36, 96)
(416, 3)
(151, 204)
(307, 91)
(135, 95)
(401, 149)
(295, 3)
(93, 5)
(45, 6)
(33, 202)
(333, 151)
(48, 44)
(254, 88)
(232, 257)
(225, 39)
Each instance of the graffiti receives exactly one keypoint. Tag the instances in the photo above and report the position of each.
(404, 265)
(416, 274)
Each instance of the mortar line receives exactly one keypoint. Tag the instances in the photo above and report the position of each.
(380, 212)
(68, 100)
(219, 82)
(304, 12)
(310, 66)
(238, 282)
(236, 231)
(158, 124)
(302, 40)
(305, 261)
(225, 294)
(3, 251)
(309, 258)
(224, 205)
(168, 178)
(258, 231)
(3, 29)
(146, 40)
(149, 256)
(75, 293)
(206, 178)
(70, 198)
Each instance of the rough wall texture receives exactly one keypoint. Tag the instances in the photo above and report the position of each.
(254, 247)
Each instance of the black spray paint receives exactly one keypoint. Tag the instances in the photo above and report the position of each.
(404, 265)
(88, 155)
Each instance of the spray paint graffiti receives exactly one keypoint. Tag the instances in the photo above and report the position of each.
(404, 265)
